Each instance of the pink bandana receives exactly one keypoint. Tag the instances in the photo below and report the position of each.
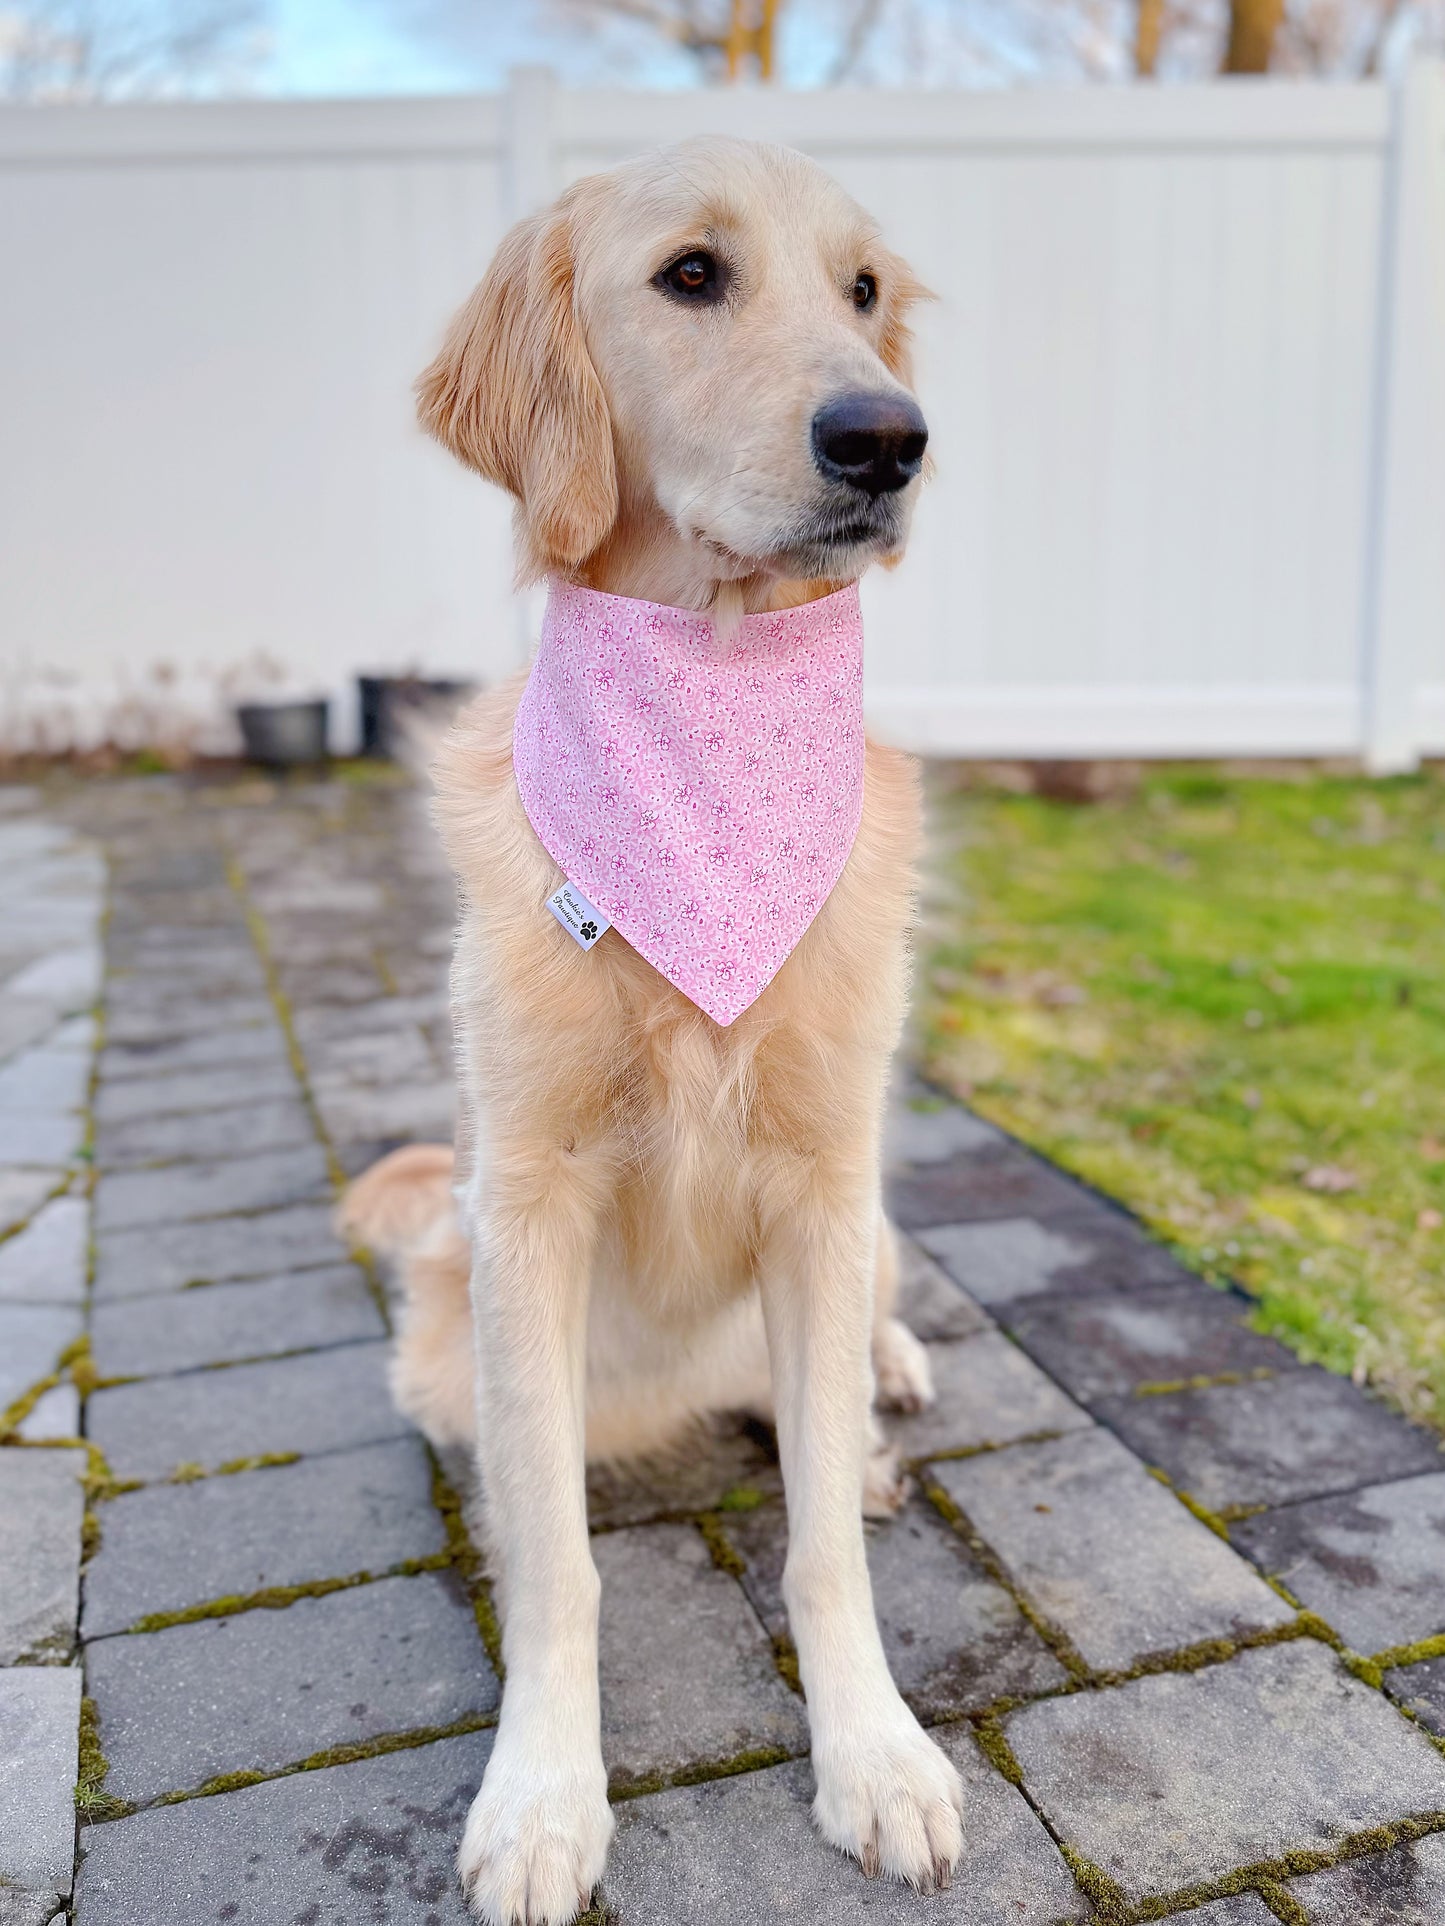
(703, 796)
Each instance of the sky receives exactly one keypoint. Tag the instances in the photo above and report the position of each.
(355, 46)
(441, 46)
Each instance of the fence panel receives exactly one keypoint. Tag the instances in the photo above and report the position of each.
(1184, 377)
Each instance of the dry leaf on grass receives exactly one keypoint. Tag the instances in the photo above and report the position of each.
(1333, 1179)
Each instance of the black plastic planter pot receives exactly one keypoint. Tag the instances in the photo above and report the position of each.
(284, 735)
(387, 699)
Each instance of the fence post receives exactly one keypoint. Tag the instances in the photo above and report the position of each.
(1404, 629)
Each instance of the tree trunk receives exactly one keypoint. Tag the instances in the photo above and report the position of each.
(1148, 33)
(1252, 28)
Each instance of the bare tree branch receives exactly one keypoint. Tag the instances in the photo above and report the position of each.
(56, 50)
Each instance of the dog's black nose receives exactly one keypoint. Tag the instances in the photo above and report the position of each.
(872, 442)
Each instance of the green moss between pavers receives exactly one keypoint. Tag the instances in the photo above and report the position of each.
(1206, 1381)
(724, 1554)
(994, 1745)
(785, 1658)
(1208, 1652)
(275, 1598)
(1266, 1877)
(742, 1498)
(15, 1413)
(281, 1003)
(624, 1786)
(190, 1473)
(1058, 1642)
(1416, 1654)
(955, 1454)
(1190, 1503)
(1097, 1887)
(73, 1362)
(1283, 1905)
(599, 1913)
(463, 1556)
(727, 1558)
(336, 1755)
(92, 1801)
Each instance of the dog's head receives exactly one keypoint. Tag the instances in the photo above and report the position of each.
(705, 349)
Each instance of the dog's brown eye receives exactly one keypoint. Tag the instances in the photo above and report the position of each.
(865, 292)
(694, 276)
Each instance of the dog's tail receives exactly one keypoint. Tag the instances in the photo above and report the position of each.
(402, 1208)
(400, 1203)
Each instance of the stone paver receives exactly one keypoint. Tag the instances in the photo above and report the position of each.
(1282, 1749)
(956, 1642)
(44, 1080)
(32, 1338)
(223, 1323)
(1105, 1346)
(168, 1257)
(223, 1088)
(327, 1848)
(744, 1849)
(23, 1191)
(996, 1183)
(687, 1672)
(1243, 1909)
(24, 1020)
(211, 1173)
(1105, 1552)
(732, 1458)
(929, 1302)
(266, 1180)
(926, 1130)
(39, 1721)
(253, 1044)
(1405, 1887)
(41, 1503)
(266, 1689)
(54, 1414)
(320, 1401)
(1016, 1258)
(1300, 1435)
(270, 1125)
(988, 1393)
(163, 1022)
(40, 1138)
(172, 1546)
(1371, 1562)
(352, 1112)
(1422, 1688)
(45, 1263)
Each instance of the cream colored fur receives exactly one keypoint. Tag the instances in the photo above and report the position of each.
(657, 1217)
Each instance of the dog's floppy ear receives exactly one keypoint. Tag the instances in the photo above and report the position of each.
(514, 394)
(903, 289)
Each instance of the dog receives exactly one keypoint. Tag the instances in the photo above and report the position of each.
(692, 374)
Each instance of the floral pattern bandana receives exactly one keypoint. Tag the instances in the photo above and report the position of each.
(702, 795)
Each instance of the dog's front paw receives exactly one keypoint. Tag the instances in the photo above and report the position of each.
(894, 1802)
(886, 1485)
(901, 1367)
(535, 1843)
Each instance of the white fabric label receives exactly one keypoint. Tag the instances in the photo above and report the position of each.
(577, 916)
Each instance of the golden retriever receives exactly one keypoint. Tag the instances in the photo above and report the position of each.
(655, 1216)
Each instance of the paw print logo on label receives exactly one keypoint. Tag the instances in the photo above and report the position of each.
(589, 930)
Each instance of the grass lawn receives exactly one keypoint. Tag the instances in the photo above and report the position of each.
(1222, 1000)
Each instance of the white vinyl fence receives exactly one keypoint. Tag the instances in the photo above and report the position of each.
(1186, 381)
